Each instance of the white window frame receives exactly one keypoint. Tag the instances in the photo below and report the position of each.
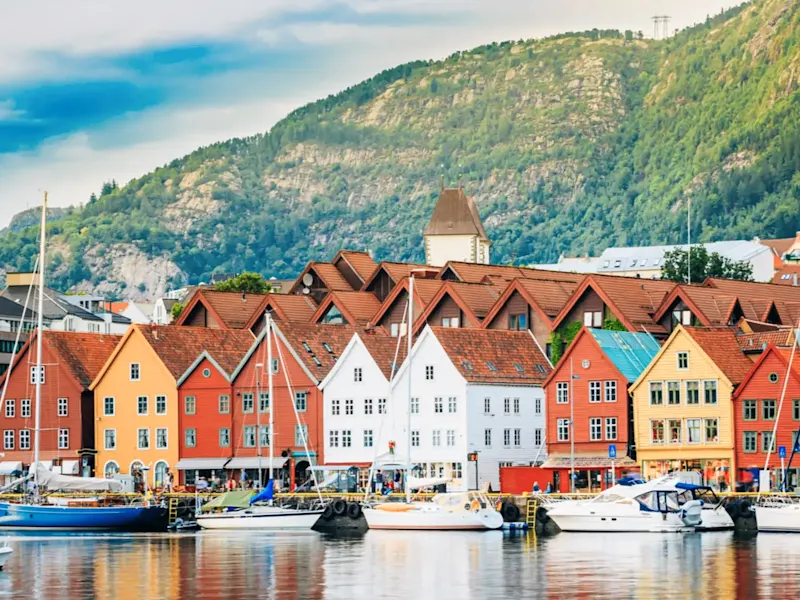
(336, 407)
(487, 438)
(34, 370)
(25, 408)
(699, 423)
(349, 406)
(369, 437)
(595, 429)
(451, 437)
(382, 408)
(438, 405)
(609, 386)
(429, 373)
(227, 404)
(517, 438)
(358, 375)
(506, 406)
(414, 406)
(166, 438)
(516, 406)
(663, 439)
(188, 401)
(415, 438)
(11, 408)
(436, 438)
(611, 425)
(26, 434)
(105, 439)
(595, 392)
(682, 354)
(507, 438)
(12, 438)
(113, 406)
(186, 437)
(368, 407)
(298, 438)
(139, 438)
(63, 407)
(333, 438)
(63, 439)
(302, 394)
(562, 430)
(139, 405)
(138, 372)
(248, 399)
(487, 406)
(452, 405)
(562, 392)
(159, 411)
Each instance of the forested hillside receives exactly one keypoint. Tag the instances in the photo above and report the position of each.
(569, 144)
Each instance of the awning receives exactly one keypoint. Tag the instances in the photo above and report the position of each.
(47, 464)
(201, 464)
(251, 462)
(7, 467)
(587, 461)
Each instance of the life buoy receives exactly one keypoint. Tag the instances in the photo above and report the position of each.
(475, 505)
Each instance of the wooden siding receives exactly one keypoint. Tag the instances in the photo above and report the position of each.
(200, 317)
(447, 308)
(590, 301)
(349, 274)
(381, 286)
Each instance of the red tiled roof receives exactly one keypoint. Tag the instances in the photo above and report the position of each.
(383, 350)
(424, 291)
(233, 309)
(721, 346)
(752, 289)
(472, 351)
(116, 307)
(179, 347)
(786, 275)
(358, 308)
(479, 297)
(474, 273)
(297, 308)
(315, 335)
(329, 275)
(779, 246)
(550, 295)
(83, 354)
(360, 261)
(711, 306)
(758, 341)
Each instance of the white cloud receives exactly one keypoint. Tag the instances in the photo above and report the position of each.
(8, 112)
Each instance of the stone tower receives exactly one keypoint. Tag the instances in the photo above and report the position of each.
(455, 231)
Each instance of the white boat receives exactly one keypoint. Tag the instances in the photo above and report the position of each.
(778, 514)
(5, 553)
(643, 507)
(446, 512)
(265, 516)
(714, 516)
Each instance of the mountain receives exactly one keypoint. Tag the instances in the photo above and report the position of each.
(568, 144)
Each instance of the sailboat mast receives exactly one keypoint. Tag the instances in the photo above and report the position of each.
(39, 327)
(409, 331)
(268, 326)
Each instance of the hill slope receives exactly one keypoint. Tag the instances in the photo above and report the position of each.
(569, 144)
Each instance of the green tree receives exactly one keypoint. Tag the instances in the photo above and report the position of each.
(703, 264)
(176, 310)
(253, 283)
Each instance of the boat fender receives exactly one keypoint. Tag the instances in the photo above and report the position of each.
(733, 509)
(510, 512)
(541, 515)
(327, 514)
(339, 507)
(354, 510)
(744, 508)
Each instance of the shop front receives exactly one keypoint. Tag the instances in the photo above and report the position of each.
(593, 473)
(713, 472)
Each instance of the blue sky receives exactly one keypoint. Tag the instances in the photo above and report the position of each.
(92, 90)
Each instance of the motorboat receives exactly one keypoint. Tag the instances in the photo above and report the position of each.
(654, 506)
(778, 514)
(445, 512)
(715, 517)
(5, 553)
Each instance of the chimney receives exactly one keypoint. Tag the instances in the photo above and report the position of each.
(794, 279)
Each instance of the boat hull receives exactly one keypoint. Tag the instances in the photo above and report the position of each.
(279, 519)
(784, 518)
(431, 520)
(584, 518)
(715, 519)
(25, 516)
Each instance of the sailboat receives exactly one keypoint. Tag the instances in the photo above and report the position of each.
(78, 513)
(449, 511)
(265, 516)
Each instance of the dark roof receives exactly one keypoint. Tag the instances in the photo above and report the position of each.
(55, 306)
(455, 214)
(10, 308)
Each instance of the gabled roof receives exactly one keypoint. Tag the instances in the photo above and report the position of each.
(475, 273)
(786, 275)
(293, 308)
(361, 262)
(82, 354)
(13, 310)
(752, 289)
(232, 310)
(424, 291)
(759, 340)
(720, 346)
(358, 308)
(475, 299)
(547, 297)
(225, 362)
(633, 301)
(382, 348)
(493, 356)
(785, 356)
(55, 305)
(328, 274)
(395, 271)
(455, 213)
(709, 305)
(779, 246)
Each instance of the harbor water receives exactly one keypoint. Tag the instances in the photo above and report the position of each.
(416, 565)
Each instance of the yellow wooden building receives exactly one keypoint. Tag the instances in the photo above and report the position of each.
(682, 408)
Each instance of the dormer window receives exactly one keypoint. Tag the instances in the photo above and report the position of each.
(333, 317)
(682, 316)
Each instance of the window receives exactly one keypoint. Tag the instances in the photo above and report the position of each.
(8, 439)
(750, 440)
(368, 438)
(517, 438)
(450, 322)
(506, 438)
(683, 317)
(247, 402)
(357, 375)
(135, 372)
(367, 406)
(593, 319)
(161, 404)
(161, 438)
(750, 410)
(143, 439)
(25, 408)
(141, 405)
(796, 410)
(611, 391)
(24, 439)
(712, 430)
(429, 372)
(563, 430)
(415, 406)
(264, 433)
(710, 388)
(263, 402)
(487, 438)
(692, 393)
(537, 437)
(415, 438)
(673, 393)
(336, 406)
(767, 442)
(594, 391)
(693, 431)
(395, 329)
(675, 431)
(300, 434)
(487, 406)
(333, 438)
(108, 407)
(11, 408)
(301, 401)
(276, 365)
(110, 439)
(657, 431)
(507, 406)
(437, 437)
(768, 410)
(382, 406)
(683, 361)
(224, 404)
(537, 406)
(595, 429)
(656, 393)
(348, 406)
(451, 437)
(516, 406)
(224, 437)
(518, 322)
(190, 404)
(63, 407)
(611, 428)
(249, 434)
(562, 392)
(39, 370)
(438, 405)
(452, 404)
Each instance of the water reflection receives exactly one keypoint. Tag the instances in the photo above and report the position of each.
(417, 565)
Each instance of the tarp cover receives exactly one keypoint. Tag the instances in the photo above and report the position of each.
(237, 499)
(416, 483)
(55, 481)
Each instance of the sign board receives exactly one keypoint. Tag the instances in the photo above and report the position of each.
(472, 457)
(763, 481)
(781, 451)
(612, 451)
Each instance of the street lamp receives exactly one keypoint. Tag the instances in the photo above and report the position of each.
(572, 378)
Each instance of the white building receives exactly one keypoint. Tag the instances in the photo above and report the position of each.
(455, 231)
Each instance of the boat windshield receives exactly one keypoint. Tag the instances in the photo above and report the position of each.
(659, 501)
(602, 498)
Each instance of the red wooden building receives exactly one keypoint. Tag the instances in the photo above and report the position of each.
(756, 403)
(70, 363)
(590, 386)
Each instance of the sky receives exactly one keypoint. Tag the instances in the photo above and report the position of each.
(94, 90)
